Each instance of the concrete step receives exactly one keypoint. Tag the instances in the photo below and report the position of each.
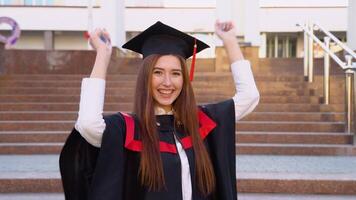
(267, 91)
(297, 174)
(243, 137)
(129, 98)
(54, 106)
(199, 76)
(268, 196)
(254, 116)
(29, 149)
(33, 136)
(263, 86)
(296, 116)
(241, 149)
(44, 89)
(130, 80)
(289, 126)
(34, 106)
(241, 196)
(299, 99)
(76, 98)
(198, 91)
(36, 125)
(114, 83)
(294, 184)
(256, 175)
(299, 107)
(246, 137)
(131, 83)
(267, 86)
(38, 115)
(294, 78)
(32, 196)
(245, 184)
(295, 149)
(111, 91)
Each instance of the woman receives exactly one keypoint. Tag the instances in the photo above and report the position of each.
(168, 148)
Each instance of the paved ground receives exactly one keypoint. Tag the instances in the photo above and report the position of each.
(300, 167)
(297, 164)
(292, 197)
(31, 166)
(323, 167)
(240, 197)
(44, 196)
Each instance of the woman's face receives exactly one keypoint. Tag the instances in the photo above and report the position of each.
(167, 81)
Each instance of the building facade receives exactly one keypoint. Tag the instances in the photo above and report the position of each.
(268, 24)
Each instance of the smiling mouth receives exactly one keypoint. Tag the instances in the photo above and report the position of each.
(165, 92)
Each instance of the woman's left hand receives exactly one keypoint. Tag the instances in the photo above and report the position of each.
(225, 30)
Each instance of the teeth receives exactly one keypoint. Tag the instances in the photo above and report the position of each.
(166, 91)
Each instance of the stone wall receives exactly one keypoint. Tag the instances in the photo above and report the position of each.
(58, 62)
(222, 62)
(2, 58)
(74, 62)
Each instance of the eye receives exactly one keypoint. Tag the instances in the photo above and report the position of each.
(157, 72)
(177, 73)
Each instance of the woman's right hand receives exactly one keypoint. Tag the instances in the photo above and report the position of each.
(96, 38)
(103, 49)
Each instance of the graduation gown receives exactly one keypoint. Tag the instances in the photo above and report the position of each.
(111, 172)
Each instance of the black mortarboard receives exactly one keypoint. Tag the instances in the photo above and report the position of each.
(163, 39)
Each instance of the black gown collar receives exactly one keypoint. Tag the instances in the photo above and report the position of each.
(166, 123)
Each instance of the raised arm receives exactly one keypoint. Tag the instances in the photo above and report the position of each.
(103, 52)
(226, 32)
(90, 123)
(247, 95)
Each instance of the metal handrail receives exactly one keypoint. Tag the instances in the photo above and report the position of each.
(338, 42)
(323, 46)
(348, 67)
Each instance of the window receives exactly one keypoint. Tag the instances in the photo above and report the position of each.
(27, 2)
(171, 3)
(281, 45)
(81, 3)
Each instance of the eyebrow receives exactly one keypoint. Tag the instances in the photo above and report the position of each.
(163, 69)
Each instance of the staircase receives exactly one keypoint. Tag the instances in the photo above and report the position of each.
(290, 125)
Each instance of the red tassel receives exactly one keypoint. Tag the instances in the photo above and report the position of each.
(193, 61)
(86, 35)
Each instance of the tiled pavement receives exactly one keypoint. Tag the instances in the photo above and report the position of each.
(46, 166)
(47, 196)
(318, 166)
(30, 165)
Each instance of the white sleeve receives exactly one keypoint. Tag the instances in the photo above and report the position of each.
(247, 95)
(90, 123)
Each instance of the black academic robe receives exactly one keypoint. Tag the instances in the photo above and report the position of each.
(111, 172)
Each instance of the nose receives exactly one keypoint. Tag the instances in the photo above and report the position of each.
(167, 81)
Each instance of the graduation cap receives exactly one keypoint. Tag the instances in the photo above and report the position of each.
(163, 40)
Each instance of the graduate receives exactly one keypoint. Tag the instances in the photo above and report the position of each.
(168, 148)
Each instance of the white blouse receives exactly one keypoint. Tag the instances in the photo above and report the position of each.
(90, 123)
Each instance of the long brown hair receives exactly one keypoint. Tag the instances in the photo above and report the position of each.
(151, 169)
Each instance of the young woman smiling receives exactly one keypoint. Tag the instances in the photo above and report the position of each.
(168, 148)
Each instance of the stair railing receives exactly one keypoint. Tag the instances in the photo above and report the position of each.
(348, 67)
